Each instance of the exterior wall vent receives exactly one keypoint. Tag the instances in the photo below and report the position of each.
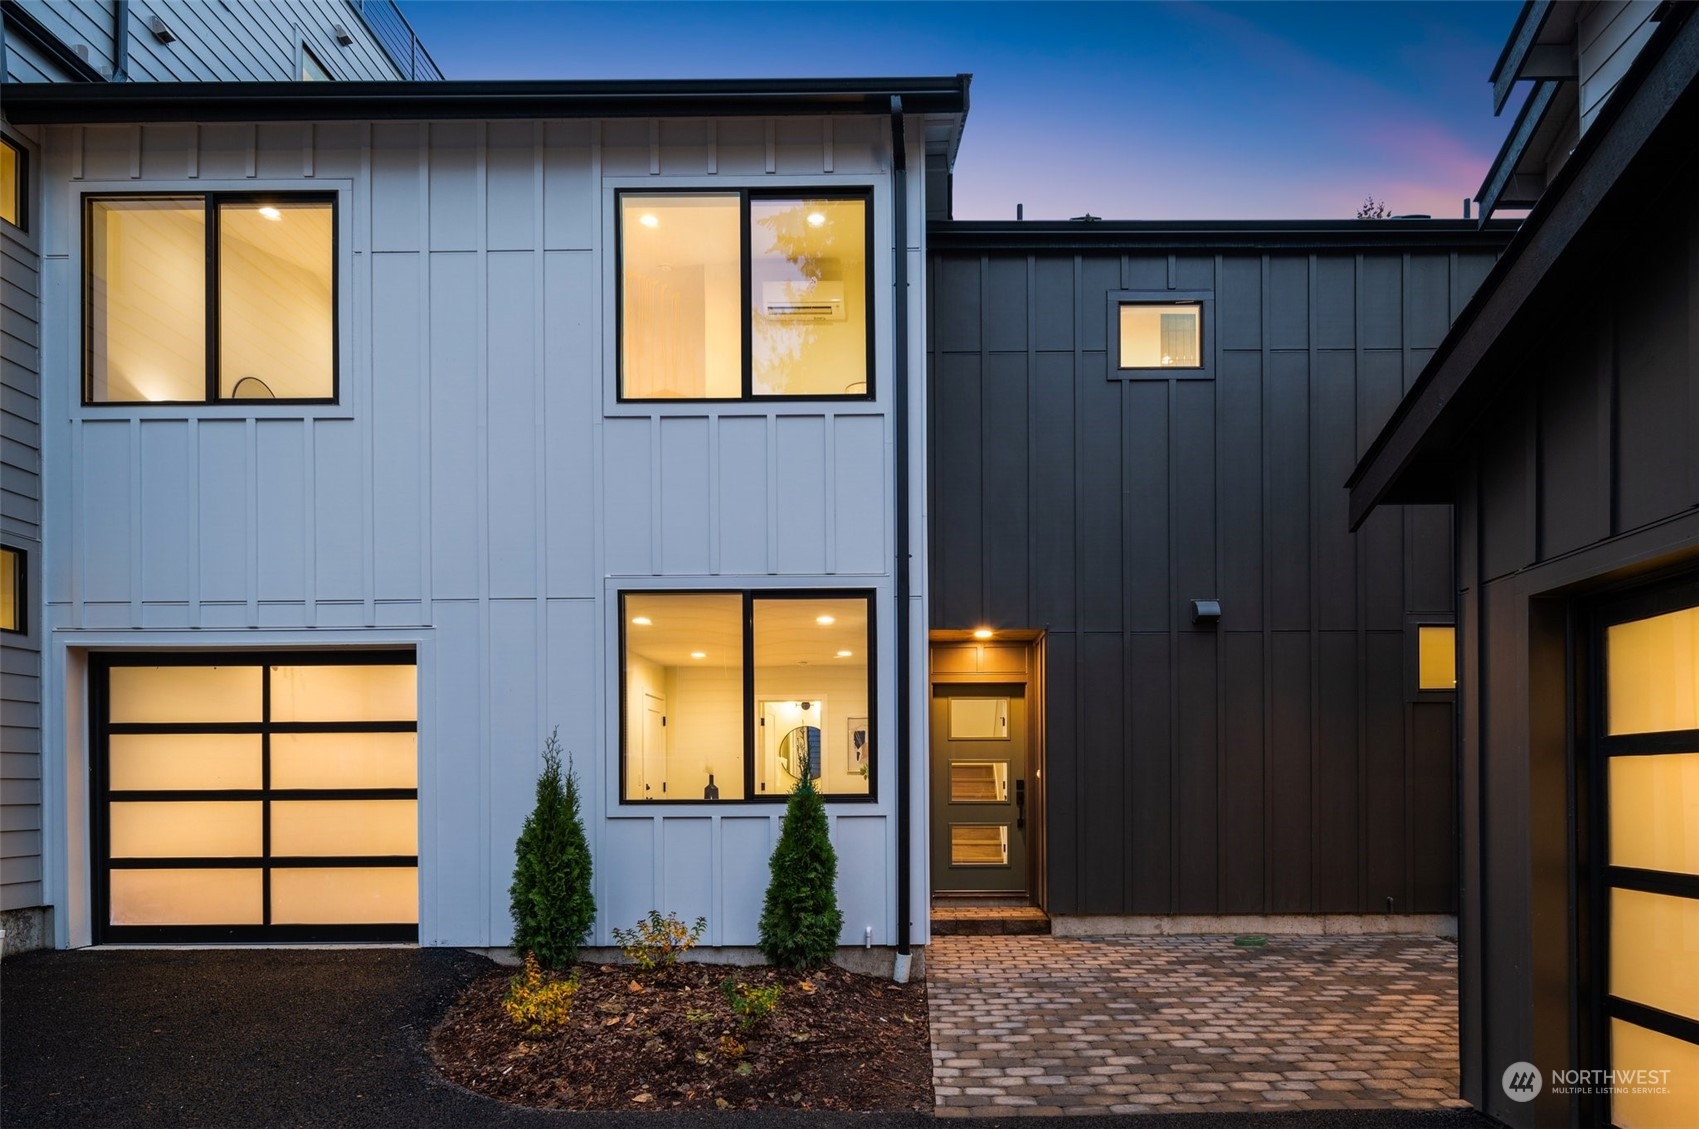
(802, 301)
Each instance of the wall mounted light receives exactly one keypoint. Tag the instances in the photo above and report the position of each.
(982, 633)
(160, 30)
(343, 38)
(1206, 613)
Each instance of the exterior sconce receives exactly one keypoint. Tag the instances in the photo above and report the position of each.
(160, 31)
(1206, 613)
(342, 36)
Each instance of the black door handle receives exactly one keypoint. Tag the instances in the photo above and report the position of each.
(1020, 805)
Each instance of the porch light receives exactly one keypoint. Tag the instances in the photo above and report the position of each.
(982, 633)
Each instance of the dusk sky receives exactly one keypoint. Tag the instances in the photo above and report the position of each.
(1139, 110)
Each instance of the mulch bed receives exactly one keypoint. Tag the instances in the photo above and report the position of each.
(837, 1041)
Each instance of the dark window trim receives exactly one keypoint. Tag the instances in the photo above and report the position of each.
(309, 53)
(101, 730)
(211, 202)
(23, 168)
(20, 589)
(863, 193)
(750, 596)
(1203, 299)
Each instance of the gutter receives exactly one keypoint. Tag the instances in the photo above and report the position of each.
(979, 236)
(899, 332)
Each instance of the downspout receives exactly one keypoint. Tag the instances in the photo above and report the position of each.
(121, 41)
(900, 392)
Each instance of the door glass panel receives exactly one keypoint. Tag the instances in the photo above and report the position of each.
(344, 693)
(184, 761)
(192, 829)
(344, 760)
(979, 782)
(1654, 812)
(187, 897)
(1652, 667)
(302, 828)
(1654, 951)
(1637, 1107)
(353, 895)
(979, 844)
(165, 694)
(979, 719)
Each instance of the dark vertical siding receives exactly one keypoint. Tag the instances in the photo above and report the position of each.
(1277, 764)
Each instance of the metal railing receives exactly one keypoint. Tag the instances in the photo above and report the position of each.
(396, 36)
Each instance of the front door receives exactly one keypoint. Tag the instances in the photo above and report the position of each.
(979, 790)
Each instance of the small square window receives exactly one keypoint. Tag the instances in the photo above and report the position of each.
(13, 590)
(14, 165)
(1161, 335)
(1436, 657)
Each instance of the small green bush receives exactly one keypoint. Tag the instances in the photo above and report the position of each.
(552, 903)
(800, 920)
(752, 1006)
(657, 941)
(536, 1003)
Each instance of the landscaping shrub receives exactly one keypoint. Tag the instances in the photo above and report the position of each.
(800, 920)
(551, 898)
(535, 1002)
(752, 1006)
(657, 941)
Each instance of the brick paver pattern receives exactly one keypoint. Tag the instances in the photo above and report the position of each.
(1050, 1025)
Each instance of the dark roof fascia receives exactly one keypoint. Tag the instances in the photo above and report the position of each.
(1523, 35)
(26, 27)
(1069, 236)
(57, 104)
(1455, 381)
(1515, 146)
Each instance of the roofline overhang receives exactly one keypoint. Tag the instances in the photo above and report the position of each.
(1215, 235)
(134, 103)
(1530, 21)
(1448, 392)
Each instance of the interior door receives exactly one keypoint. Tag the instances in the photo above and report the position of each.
(979, 789)
(654, 748)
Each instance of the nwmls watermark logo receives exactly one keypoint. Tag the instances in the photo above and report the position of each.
(1522, 1082)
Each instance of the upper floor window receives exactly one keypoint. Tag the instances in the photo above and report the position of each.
(736, 295)
(209, 298)
(311, 69)
(13, 180)
(13, 574)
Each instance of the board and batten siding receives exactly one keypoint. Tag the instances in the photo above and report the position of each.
(20, 527)
(478, 487)
(1282, 762)
(254, 40)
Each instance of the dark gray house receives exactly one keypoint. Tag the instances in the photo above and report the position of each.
(1560, 415)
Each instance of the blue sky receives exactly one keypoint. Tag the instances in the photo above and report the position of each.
(1130, 110)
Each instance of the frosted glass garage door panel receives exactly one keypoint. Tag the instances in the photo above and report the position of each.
(187, 897)
(1654, 812)
(329, 828)
(165, 762)
(1644, 1107)
(1652, 673)
(1654, 951)
(187, 829)
(344, 760)
(353, 895)
(168, 694)
(344, 693)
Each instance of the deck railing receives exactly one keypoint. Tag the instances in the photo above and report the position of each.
(396, 36)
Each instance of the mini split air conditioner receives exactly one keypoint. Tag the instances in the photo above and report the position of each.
(802, 301)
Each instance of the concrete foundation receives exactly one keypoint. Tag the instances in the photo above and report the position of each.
(877, 961)
(25, 929)
(1311, 925)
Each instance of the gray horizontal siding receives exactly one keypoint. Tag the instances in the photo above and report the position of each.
(1277, 764)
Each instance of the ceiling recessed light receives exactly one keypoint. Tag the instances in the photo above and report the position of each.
(699, 654)
(641, 620)
(271, 213)
(982, 633)
(649, 219)
(844, 654)
(815, 219)
(824, 620)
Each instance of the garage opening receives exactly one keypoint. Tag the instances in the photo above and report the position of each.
(244, 797)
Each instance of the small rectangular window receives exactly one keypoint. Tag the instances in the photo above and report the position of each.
(14, 183)
(744, 295)
(12, 590)
(1436, 657)
(268, 332)
(742, 695)
(1165, 336)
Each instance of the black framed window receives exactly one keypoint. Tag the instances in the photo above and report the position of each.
(255, 796)
(745, 294)
(731, 696)
(14, 590)
(311, 69)
(209, 298)
(1644, 730)
(14, 184)
(1161, 334)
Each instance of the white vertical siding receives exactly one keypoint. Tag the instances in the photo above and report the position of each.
(479, 481)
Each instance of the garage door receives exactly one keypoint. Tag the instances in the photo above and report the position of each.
(256, 798)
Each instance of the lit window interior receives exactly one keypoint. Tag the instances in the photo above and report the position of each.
(681, 334)
(1436, 657)
(808, 290)
(1165, 335)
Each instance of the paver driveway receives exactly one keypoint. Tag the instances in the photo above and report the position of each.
(1048, 1025)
